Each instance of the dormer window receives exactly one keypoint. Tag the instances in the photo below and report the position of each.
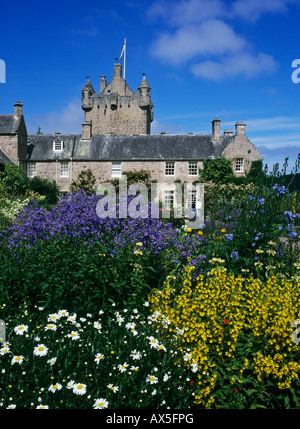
(58, 145)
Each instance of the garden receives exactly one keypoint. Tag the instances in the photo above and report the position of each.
(143, 313)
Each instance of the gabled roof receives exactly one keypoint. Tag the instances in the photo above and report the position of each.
(127, 147)
(4, 158)
(9, 124)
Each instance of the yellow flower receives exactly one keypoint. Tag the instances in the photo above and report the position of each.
(223, 230)
(139, 244)
(200, 233)
(189, 230)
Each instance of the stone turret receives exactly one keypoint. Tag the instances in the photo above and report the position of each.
(117, 109)
(87, 96)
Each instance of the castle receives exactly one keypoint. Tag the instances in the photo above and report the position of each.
(116, 138)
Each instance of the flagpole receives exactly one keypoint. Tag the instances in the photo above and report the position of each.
(124, 59)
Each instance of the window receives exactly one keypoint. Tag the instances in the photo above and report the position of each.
(31, 169)
(193, 168)
(169, 199)
(191, 202)
(57, 145)
(116, 169)
(64, 169)
(170, 169)
(239, 165)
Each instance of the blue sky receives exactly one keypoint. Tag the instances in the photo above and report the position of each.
(202, 58)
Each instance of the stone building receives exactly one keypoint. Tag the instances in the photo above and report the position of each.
(116, 138)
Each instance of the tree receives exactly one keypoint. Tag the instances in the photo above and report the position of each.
(85, 181)
(217, 170)
(14, 179)
(45, 187)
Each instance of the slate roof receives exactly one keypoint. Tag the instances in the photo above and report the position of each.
(4, 158)
(9, 124)
(127, 147)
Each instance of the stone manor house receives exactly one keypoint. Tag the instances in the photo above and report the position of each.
(116, 138)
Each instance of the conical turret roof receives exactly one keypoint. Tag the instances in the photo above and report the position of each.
(144, 83)
(88, 86)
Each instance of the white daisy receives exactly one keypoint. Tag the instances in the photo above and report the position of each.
(152, 379)
(153, 342)
(79, 389)
(98, 357)
(17, 359)
(100, 404)
(134, 368)
(40, 350)
(136, 355)
(70, 384)
(63, 313)
(123, 367)
(113, 388)
(53, 317)
(19, 330)
(98, 326)
(54, 387)
(42, 407)
(72, 318)
(52, 361)
(161, 347)
(11, 407)
(74, 335)
(51, 327)
(4, 350)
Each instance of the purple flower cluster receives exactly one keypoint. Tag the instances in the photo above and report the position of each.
(75, 218)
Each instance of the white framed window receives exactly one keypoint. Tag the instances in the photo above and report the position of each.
(64, 169)
(116, 169)
(31, 169)
(239, 165)
(191, 199)
(193, 168)
(170, 168)
(58, 145)
(169, 199)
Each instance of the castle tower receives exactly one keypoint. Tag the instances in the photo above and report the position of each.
(117, 109)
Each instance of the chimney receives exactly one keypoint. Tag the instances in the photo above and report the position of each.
(18, 109)
(240, 128)
(216, 129)
(103, 83)
(228, 132)
(86, 130)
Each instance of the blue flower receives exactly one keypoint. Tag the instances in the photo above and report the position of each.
(229, 237)
(234, 255)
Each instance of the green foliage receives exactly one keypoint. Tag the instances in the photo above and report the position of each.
(85, 181)
(132, 177)
(45, 187)
(14, 179)
(217, 170)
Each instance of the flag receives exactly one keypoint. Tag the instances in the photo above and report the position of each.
(124, 46)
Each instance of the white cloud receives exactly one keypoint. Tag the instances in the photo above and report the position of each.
(66, 121)
(202, 32)
(253, 9)
(245, 64)
(213, 37)
(186, 12)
